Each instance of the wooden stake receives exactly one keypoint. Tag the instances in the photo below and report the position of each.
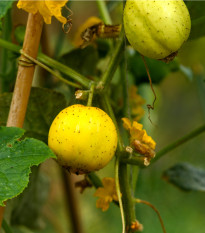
(24, 77)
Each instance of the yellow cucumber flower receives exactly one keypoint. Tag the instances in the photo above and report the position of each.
(46, 8)
(106, 194)
(142, 143)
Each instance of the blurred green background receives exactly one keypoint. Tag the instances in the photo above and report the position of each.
(180, 108)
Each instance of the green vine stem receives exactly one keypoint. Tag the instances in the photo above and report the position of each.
(109, 110)
(91, 93)
(172, 146)
(95, 180)
(127, 200)
(104, 12)
(51, 63)
(126, 104)
(50, 70)
(122, 180)
(65, 70)
(117, 182)
(113, 64)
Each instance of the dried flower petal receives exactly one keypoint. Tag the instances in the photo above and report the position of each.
(139, 140)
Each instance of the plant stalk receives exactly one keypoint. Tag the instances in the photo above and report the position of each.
(72, 202)
(114, 62)
(104, 12)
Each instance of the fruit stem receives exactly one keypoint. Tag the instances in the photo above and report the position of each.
(95, 180)
(91, 93)
(51, 63)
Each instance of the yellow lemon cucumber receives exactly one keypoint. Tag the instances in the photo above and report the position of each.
(83, 138)
(156, 28)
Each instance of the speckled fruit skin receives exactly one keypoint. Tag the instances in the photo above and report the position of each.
(83, 138)
(156, 28)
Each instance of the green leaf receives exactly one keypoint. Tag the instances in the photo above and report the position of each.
(86, 65)
(43, 106)
(19, 34)
(4, 6)
(157, 69)
(196, 10)
(16, 158)
(6, 227)
(186, 177)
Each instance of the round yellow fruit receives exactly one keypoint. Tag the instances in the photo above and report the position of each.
(156, 28)
(83, 138)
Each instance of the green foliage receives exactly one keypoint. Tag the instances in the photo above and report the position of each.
(4, 6)
(186, 177)
(196, 10)
(27, 207)
(17, 155)
(19, 34)
(157, 69)
(44, 105)
(86, 65)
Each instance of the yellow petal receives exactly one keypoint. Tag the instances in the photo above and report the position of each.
(29, 6)
(77, 41)
(126, 123)
(46, 8)
(101, 203)
(101, 192)
(55, 8)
